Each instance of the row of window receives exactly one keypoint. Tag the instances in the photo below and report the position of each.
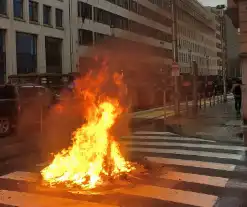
(18, 8)
(197, 48)
(202, 61)
(87, 37)
(117, 21)
(188, 18)
(195, 35)
(137, 8)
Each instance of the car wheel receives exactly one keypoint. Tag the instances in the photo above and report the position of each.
(5, 126)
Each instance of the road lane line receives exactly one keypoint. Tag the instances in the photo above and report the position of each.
(22, 176)
(188, 152)
(190, 163)
(172, 195)
(167, 138)
(153, 132)
(203, 146)
(195, 178)
(22, 199)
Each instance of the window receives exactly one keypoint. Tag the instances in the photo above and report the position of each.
(3, 7)
(47, 15)
(100, 37)
(26, 52)
(59, 18)
(33, 11)
(53, 48)
(85, 37)
(84, 10)
(18, 8)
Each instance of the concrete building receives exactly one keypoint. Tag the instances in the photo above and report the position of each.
(136, 26)
(146, 24)
(237, 11)
(34, 37)
(197, 38)
(56, 36)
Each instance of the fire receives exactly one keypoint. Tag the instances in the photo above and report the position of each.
(94, 155)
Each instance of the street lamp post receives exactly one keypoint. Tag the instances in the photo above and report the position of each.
(190, 60)
(222, 24)
(175, 53)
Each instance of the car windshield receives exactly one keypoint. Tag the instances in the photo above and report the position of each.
(7, 92)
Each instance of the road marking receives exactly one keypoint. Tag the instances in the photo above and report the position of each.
(22, 199)
(155, 133)
(190, 163)
(21, 176)
(167, 194)
(203, 146)
(195, 178)
(188, 152)
(167, 138)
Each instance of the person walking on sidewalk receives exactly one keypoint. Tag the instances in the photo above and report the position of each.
(237, 92)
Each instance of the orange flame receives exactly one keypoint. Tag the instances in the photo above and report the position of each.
(94, 154)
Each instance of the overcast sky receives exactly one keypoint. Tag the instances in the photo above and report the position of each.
(212, 2)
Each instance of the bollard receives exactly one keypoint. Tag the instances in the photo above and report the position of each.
(210, 100)
(200, 101)
(187, 105)
(165, 105)
(204, 101)
(41, 119)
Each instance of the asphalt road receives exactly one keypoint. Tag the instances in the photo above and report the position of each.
(184, 172)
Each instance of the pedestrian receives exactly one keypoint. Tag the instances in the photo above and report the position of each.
(237, 92)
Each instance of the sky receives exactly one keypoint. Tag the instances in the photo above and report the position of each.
(212, 2)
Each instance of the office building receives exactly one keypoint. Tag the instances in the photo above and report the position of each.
(34, 37)
(197, 38)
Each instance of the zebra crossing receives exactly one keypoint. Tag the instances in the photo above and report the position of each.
(193, 172)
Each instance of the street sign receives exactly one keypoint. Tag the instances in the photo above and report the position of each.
(175, 69)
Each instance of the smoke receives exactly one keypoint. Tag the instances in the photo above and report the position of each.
(117, 69)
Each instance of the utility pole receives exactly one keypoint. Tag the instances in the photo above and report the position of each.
(175, 54)
(222, 24)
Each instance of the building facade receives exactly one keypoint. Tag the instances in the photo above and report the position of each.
(140, 23)
(197, 38)
(34, 37)
(237, 11)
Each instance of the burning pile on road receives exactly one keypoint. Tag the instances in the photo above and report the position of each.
(94, 155)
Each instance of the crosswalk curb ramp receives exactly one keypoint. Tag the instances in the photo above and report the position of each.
(195, 172)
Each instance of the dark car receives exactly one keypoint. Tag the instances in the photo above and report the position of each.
(9, 108)
(22, 104)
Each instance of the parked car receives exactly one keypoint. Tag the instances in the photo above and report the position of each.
(22, 102)
(9, 108)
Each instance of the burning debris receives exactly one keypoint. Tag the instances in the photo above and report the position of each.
(94, 156)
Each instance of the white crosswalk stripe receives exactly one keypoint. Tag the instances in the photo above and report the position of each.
(194, 172)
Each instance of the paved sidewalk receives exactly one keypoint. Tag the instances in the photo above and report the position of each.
(159, 112)
(217, 123)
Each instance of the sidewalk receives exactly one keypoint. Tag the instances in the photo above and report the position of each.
(218, 122)
(159, 112)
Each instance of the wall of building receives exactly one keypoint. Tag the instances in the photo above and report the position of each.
(197, 38)
(126, 34)
(233, 47)
(11, 25)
